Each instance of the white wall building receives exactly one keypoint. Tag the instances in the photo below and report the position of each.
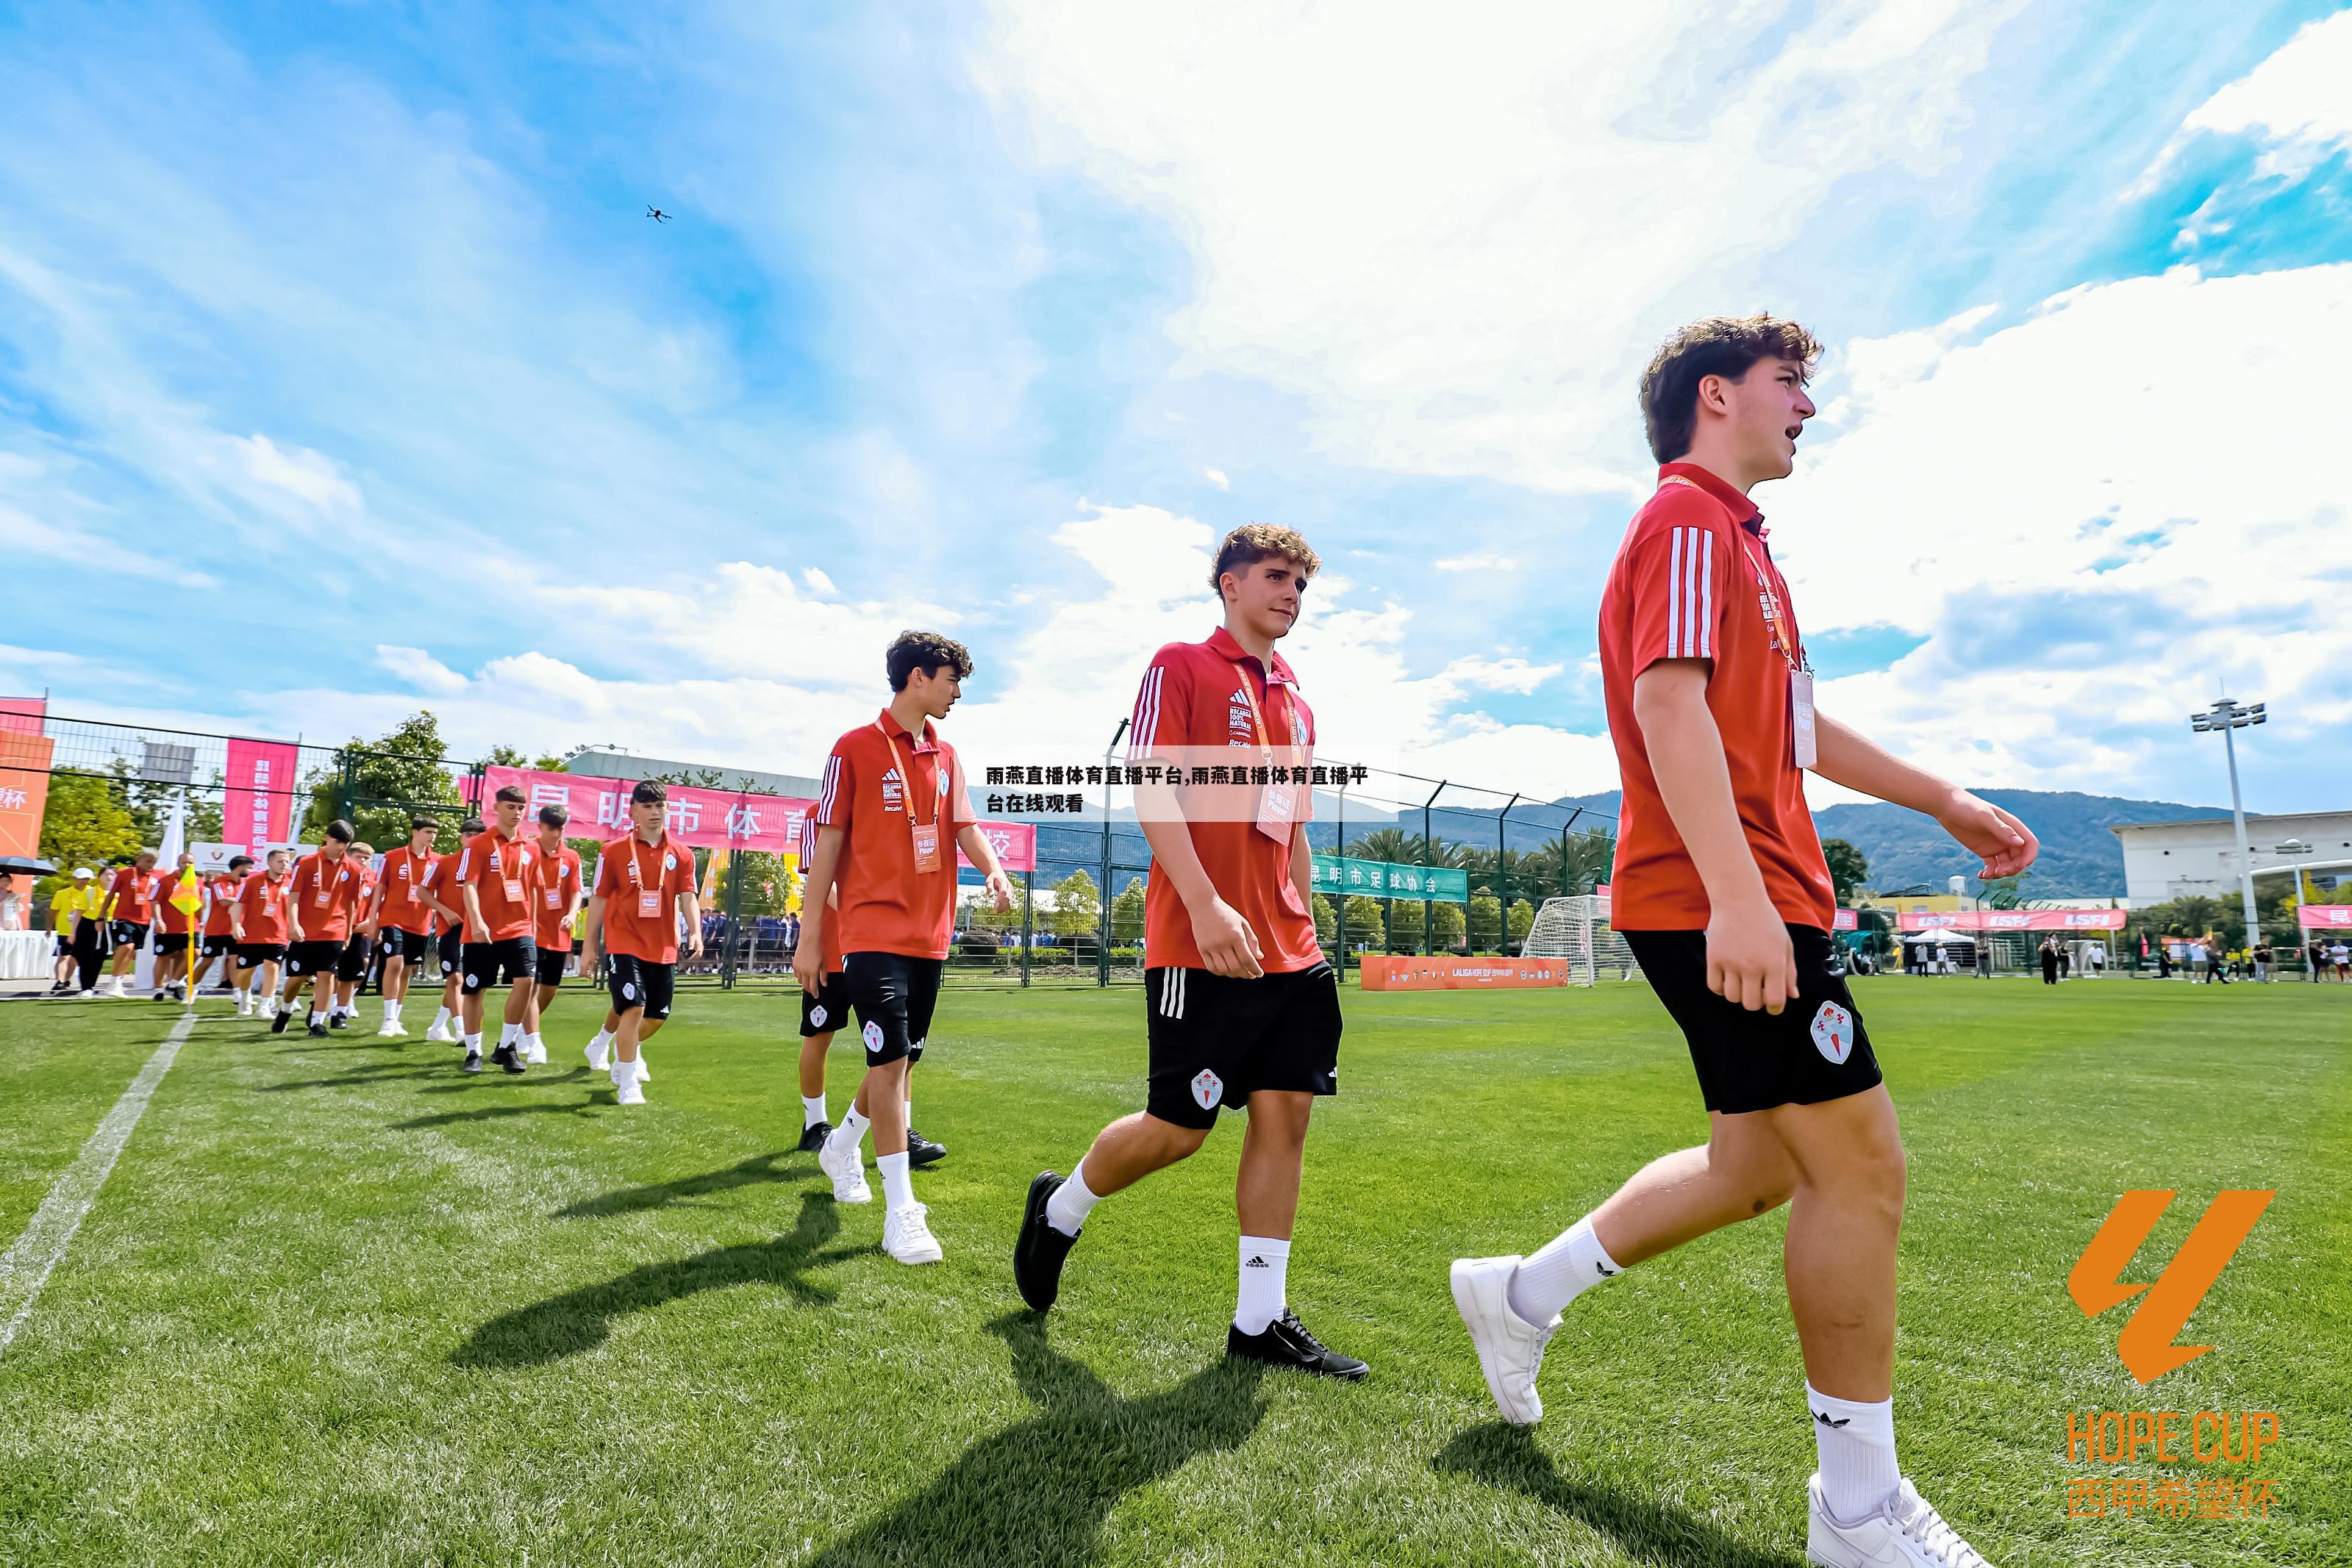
(2165, 861)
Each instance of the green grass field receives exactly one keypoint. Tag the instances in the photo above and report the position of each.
(339, 1303)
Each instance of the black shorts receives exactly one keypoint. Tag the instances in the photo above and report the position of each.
(551, 962)
(127, 934)
(253, 955)
(313, 957)
(171, 942)
(829, 1008)
(894, 996)
(408, 947)
(1216, 1040)
(217, 943)
(353, 965)
(504, 961)
(452, 948)
(637, 982)
(1816, 1050)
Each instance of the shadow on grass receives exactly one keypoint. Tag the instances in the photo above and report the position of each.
(661, 1195)
(467, 1082)
(1507, 1457)
(493, 1113)
(371, 1072)
(1039, 1492)
(580, 1320)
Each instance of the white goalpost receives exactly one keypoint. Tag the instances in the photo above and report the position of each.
(1577, 929)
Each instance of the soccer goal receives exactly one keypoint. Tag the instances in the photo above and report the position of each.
(1577, 929)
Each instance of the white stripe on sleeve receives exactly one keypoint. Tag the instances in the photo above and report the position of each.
(1674, 593)
(1706, 597)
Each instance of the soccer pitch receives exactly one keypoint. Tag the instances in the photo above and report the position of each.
(340, 1303)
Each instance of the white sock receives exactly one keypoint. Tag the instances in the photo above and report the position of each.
(812, 1110)
(852, 1129)
(1266, 1276)
(1071, 1201)
(910, 1110)
(507, 1034)
(1855, 1444)
(1561, 1271)
(391, 1010)
(898, 1186)
(440, 1016)
(474, 1044)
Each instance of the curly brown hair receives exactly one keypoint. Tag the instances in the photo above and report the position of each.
(1253, 542)
(1717, 346)
(924, 651)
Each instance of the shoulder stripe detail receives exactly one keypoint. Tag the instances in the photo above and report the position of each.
(1675, 592)
(1145, 731)
(825, 790)
(1706, 595)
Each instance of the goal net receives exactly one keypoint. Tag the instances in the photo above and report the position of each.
(1577, 929)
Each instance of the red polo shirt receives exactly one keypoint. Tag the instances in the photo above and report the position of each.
(626, 870)
(327, 897)
(264, 901)
(1187, 699)
(887, 907)
(490, 862)
(220, 895)
(407, 901)
(1693, 579)
(134, 894)
(554, 880)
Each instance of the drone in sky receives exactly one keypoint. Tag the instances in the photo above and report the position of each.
(657, 215)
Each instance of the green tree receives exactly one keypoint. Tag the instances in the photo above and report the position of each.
(1848, 868)
(1365, 926)
(150, 804)
(1326, 920)
(1485, 921)
(1127, 914)
(1405, 926)
(1564, 867)
(1077, 906)
(1446, 926)
(1391, 844)
(391, 778)
(1523, 919)
(2001, 892)
(84, 824)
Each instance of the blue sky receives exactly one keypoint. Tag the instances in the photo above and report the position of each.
(341, 373)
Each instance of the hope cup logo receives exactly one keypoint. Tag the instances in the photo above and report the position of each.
(2097, 1283)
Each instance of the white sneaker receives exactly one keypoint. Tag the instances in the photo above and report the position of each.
(628, 1086)
(1510, 1349)
(597, 1053)
(848, 1169)
(907, 1234)
(89, 996)
(244, 1006)
(643, 1076)
(536, 1055)
(1904, 1533)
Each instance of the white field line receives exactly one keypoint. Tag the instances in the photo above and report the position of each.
(25, 1268)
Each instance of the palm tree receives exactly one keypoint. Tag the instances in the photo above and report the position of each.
(1560, 867)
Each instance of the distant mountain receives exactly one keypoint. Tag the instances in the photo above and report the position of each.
(2080, 859)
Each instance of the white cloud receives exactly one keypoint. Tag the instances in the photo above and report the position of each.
(2093, 517)
(817, 582)
(420, 670)
(1483, 560)
(2296, 99)
(1454, 243)
(1217, 476)
(309, 479)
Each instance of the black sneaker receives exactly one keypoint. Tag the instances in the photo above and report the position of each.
(506, 1057)
(813, 1135)
(280, 1019)
(473, 1062)
(1287, 1343)
(1039, 1252)
(921, 1151)
(337, 1021)
(317, 1029)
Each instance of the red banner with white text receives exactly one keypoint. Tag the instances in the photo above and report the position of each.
(258, 803)
(2012, 919)
(2323, 916)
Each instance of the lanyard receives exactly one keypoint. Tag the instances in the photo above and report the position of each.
(637, 866)
(907, 776)
(1257, 723)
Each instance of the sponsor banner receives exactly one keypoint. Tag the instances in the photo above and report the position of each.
(708, 818)
(2323, 916)
(21, 715)
(1339, 876)
(257, 801)
(1449, 973)
(1844, 920)
(2011, 919)
(24, 790)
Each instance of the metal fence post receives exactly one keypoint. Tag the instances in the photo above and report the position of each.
(732, 922)
(1429, 848)
(1028, 926)
(1339, 909)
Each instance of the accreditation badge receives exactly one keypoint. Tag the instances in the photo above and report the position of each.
(926, 846)
(1800, 718)
(1277, 811)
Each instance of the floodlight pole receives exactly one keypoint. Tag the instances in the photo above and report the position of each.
(2228, 715)
(1502, 882)
(1102, 944)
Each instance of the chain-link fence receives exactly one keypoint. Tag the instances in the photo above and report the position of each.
(1077, 917)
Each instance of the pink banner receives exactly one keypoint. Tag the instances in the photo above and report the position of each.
(711, 819)
(21, 715)
(2323, 916)
(258, 808)
(1844, 920)
(2012, 920)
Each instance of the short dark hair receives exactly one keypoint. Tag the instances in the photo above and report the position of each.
(1717, 346)
(341, 831)
(470, 825)
(649, 792)
(924, 651)
(553, 816)
(237, 860)
(418, 824)
(1251, 543)
(511, 794)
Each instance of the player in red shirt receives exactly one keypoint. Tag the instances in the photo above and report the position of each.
(129, 910)
(352, 968)
(175, 934)
(890, 815)
(402, 915)
(323, 897)
(1242, 1011)
(494, 879)
(556, 894)
(822, 1011)
(257, 921)
(645, 886)
(219, 933)
(449, 913)
(1721, 891)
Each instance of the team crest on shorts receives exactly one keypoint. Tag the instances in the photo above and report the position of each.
(873, 1035)
(628, 990)
(1833, 1033)
(1208, 1089)
(816, 1016)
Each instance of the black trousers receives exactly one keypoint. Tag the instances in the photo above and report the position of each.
(88, 951)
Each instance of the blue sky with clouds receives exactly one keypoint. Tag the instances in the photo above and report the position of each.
(341, 373)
